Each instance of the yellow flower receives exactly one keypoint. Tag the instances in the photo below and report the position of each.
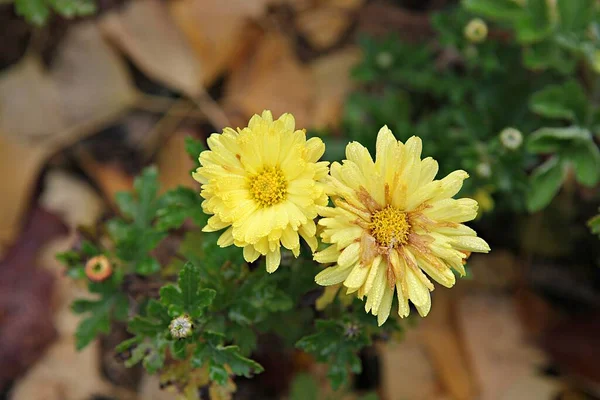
(261, 183)
(391, 223)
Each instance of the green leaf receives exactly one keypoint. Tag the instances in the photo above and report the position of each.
(34, 11)
(218, 356)
(332, 344)
(178, 205)
(575, 16)
(585, 158)
(549, 140)
(145, 326)
(594, 224)
(194, 147)
(494, 9)
(304, 386)
(127, 204)
(547, 55)
(545, 182)
(72, 8)
(566, 101)
(146, 188)
(536, 23)
(179, 349)
(147, 266)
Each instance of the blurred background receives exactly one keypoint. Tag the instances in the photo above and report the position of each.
(91, 93)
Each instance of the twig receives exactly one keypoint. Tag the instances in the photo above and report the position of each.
(213, 111)
(173, 107)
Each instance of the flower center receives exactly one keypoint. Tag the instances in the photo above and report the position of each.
(389, 227)
(268, 187)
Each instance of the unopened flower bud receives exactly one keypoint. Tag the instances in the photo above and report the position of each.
(476, 30)
(384, 59)
(511, 138)
(98, 268)
(181, 327)
(484, 170)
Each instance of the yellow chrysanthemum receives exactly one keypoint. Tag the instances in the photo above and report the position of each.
(391, 222)
(261, 182)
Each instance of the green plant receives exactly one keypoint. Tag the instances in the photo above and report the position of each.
(38, 12)
(461, 95)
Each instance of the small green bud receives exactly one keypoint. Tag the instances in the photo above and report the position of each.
(384, 59)
(476, 30)
(181, 327)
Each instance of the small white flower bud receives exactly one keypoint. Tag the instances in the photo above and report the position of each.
(484, 170)
(476, 30)
(384, 59)
(181, 327)
(511, 138)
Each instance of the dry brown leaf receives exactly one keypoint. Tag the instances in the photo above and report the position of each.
(332, 81)
(323, 26)
(495, 345)
(29, 102)
(174, 164)
(20, 164)
(110, 178)
(272, 79)
(65, 373)
(73, 200)
(91, 78)
(401, 379)
(347, 4)
(145, 32)
(217, 30)
(442, 341)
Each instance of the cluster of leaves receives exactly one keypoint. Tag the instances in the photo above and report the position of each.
(459, 96)
(227, 302)
(38, 12)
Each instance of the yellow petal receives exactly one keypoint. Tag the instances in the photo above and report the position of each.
(386, 305)
(328, 255)
(349, 255)
(357, 277)
(403, 307)
(273, 260)
(226, 239)
(250, 253)
(332, 275)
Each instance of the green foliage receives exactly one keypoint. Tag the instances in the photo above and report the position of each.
(459, 98)
(37, 12)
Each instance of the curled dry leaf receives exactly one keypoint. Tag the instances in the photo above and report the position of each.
(92, 80)
(29, 102)
(272, 78)
(323, 26)
(331, 75)
(145, 31)
(217, 30)
(415, 380)
(495, 344)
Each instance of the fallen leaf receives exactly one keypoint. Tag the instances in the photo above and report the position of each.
(75, 201)
(29, 102)
(274, 79)
(26, 326)
(20, 164)
(174, 164)
(323, 26)
(415, 379)
(332, 81)
(218, 31)
(442, 341)
(380, 18)
(495, 344)
(109, 177)
(145, 32)
(91, 78)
